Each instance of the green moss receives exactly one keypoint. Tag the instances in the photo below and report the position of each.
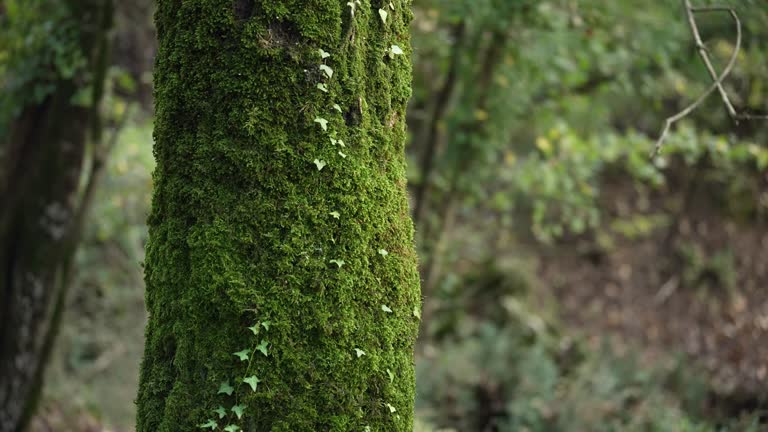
(241, 229)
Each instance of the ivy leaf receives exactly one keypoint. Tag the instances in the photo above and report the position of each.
(221, 412)
(337, 107)
(391, 375)
(212, 425)
(323, 88)
(226, 388)
(391, 408)
(344, 156)
(341, 143)
(319, 164)
(266, 325)
(256, 328)
(323, 54)
(359, 352)
(339, 263)
(262, 347)
(383, 14)
(327, 70)
(242, 355)
(395, 50)
(386, 309)
(252, 381)
(335, 214)
(231, 428)
(383, 252)
(416, 312)
(238, 410)
(322, 122)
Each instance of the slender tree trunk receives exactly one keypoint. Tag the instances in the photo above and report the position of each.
(280, 205)
(40, 217)
(432, 135)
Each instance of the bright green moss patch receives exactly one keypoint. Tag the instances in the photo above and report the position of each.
(246, 226)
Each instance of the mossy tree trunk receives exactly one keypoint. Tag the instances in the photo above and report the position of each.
(280, 205)
(45, 123)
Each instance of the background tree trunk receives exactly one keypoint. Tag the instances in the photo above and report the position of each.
(43, 148)
(264, 213)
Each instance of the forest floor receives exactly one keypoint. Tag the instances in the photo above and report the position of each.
(696, 286)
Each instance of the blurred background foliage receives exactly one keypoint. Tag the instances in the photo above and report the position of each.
(571, 283)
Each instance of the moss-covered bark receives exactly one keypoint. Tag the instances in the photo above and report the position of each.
(261, 215)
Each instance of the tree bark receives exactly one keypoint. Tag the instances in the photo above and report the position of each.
(266, 216)
(42, 158)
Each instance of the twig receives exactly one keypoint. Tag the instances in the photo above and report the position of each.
(717, 80)
(666, 290)
(704, 53)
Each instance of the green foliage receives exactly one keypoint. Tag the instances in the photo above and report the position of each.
(705, 273)
(540, 115)
(502, 378)
(39, 47)
(559, 184)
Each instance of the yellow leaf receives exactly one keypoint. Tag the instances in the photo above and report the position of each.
(481, 115)
(544, 145)
(510, 158)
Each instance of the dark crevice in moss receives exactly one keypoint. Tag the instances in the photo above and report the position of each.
(243, 9)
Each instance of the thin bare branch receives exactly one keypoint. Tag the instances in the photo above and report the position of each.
(704, 52)
(717, 81)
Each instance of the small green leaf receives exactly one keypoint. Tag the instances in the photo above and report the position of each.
(262, 347)
(395, 50)
(212, 425)
(383, 252)
(323, 54)
(243, 355)
(416, 312)
(335, 214)
(221, 412)
(337, 107)
(391, 408)
(323, 87)
(232, 428)
(252, 381)
(391, 375)
(391, 5)
(266, 325)
(383, 14)
(339, 263)
(341, 143)
(226, 388)
(256, 328)
(327, 70)
(319, 164)
(238, 410)
(359, 352)
(322, 122)
(343, 155)
(386, 309)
